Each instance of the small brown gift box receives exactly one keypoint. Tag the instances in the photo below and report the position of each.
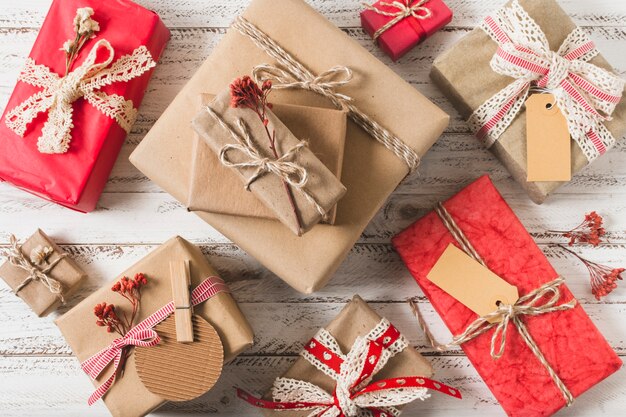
(85, 338)
(322, 185)
(370, 171)
(356, 319)
(466, 78)
(217, 189)
(35, 294)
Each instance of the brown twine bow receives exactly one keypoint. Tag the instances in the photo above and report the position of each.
(35, 273)
(417, 10)
(284, 167)
(528, 305)
(292, 74)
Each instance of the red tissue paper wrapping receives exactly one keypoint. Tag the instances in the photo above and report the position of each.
(76, 179)
(569, 340)
(408, 32)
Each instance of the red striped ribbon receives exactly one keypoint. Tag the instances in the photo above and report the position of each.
(142, 335)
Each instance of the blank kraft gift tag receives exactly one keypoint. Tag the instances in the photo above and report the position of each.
(470, 283)
(548, 140)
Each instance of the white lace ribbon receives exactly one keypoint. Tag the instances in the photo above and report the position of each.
(59, 93)
(586, 94)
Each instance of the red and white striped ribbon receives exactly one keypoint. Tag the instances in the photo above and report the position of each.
(586, 94)
(367, 356)
(142, 335)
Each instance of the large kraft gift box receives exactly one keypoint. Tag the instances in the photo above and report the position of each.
(370, 172)
(568, 339)
(66, 271)
(465, 76)
(217, 189)
(323, 189)
(86, 339)
(75, 179)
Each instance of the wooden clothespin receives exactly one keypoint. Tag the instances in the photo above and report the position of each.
(181, 292)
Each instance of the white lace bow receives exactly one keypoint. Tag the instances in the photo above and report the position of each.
(585, 93)
(59, 93)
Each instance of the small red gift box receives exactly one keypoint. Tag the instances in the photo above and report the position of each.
(128, 35)
(399, 25)
(569, 341)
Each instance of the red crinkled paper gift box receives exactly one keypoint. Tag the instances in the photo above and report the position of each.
(408, 32)
(569, 340)
(76, 179)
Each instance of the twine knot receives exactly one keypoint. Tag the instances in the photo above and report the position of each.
(404, 10)
(59, 93)
(36, 273)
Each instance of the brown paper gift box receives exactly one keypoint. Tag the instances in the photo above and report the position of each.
(356, 319)
(85, 338)
(466, 78)
(370, 171)
(322, 184)
(38, 297)
(217, 189)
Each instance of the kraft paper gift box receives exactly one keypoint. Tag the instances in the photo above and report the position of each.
(217, 189)
(370, 172)
(322, 187)
(76, 178)
(465, 76)
(356, 320)
(39, 298)
(78, 326)
(570, 342)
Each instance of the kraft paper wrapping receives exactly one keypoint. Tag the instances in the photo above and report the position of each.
(217, 189)
(370, 173)
(322, 184)
(38, 297)
(464, 75)
(85, 338)
(356, 319)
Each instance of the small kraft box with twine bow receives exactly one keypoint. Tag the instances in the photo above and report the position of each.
(358, 365)
(40, 273)
(77, 98)
(398, 26)
(532, 47)
(508, 309)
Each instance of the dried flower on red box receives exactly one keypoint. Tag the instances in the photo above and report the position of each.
(589, 231)
(245, 93)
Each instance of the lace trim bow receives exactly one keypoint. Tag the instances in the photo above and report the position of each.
(585, 93)
(86, 81)
(355, 394)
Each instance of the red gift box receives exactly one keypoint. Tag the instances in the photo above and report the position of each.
(570, 342)
(409, 30)
(76, 178)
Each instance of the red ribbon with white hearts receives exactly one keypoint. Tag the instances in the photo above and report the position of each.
(585, 93)
(142, 335)
(353, 373)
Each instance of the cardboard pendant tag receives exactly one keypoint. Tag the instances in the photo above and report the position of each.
(548, 140)
(470, 283)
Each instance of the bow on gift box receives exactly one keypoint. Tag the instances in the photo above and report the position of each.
(403, 10)
(355, 394)
(142, 335)
(59, 93)
(585, 93)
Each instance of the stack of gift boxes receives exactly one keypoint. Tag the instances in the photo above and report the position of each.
(291, 144)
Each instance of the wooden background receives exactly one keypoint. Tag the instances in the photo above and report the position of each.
(39, 376)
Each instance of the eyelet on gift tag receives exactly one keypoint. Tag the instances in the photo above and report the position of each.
(181, 371)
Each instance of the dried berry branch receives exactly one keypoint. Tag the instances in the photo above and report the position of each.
(589, 231)
(245, 93)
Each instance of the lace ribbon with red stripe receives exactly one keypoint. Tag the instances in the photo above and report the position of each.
(355, 394)
(142, 335)
(585, 93)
